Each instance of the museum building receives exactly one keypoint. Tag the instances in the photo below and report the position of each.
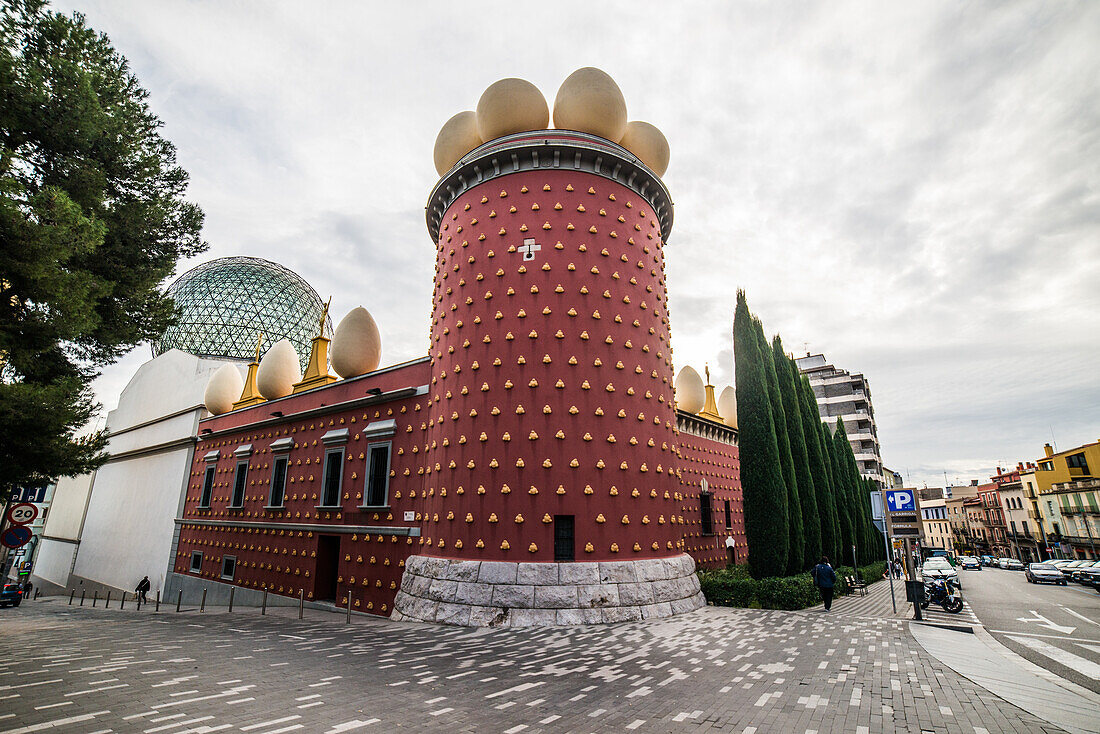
(536, 467)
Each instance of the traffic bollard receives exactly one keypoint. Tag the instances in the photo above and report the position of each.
(95, 596)
(263, 606)
(179, 600)
(82, 593)
(122, 602)
(71, 595)
(107, 605)
(301, 602)
(348, 620)
(158, 601)
(36, 594)
(231, 590)
(202, 604)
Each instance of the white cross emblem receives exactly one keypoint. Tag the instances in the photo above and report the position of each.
(529, 248)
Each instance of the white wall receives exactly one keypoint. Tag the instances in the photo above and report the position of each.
(55, 560)
(67, 508)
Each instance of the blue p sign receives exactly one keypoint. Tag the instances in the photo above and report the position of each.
(899, 500)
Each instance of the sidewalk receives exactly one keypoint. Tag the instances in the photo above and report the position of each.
(1003, 673)
(876, 603)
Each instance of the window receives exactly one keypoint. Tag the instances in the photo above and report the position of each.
(729, 516)
(207, 486)
(196, 561)
(378, 475)
(563, 538)
(239, 484)
(334, 465)
(707, 513)
(229, 567)
(278, 483)
(1077, 461)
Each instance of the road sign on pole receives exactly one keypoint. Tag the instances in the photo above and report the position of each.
(23, 513)
(16, 536)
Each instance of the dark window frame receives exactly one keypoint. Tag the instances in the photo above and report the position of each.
(706, 511)
(196, 567)
(207, 486)
(325, 478)
(560, 554)
(280, 485)
(233, 571)
(386, 446)
(729, 515)
(240, 486)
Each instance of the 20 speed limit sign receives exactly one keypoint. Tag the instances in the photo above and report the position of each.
(22, 514)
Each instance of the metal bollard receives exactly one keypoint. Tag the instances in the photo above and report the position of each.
(95, 596)
(108, 604)
(232, 589)
(202, 604)
(36, 594)
(71, 595)
(179, 600)
(82, 593)
(348, 620)
(263, 606)
(122, 603)
(158, 601)
(301, 602)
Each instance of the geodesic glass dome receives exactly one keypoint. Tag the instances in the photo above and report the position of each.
(225, 304)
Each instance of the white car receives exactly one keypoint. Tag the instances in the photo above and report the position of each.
(940, 568)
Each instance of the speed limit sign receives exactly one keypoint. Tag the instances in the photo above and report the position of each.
(22, 514)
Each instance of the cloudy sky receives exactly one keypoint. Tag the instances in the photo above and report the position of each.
(912, 189)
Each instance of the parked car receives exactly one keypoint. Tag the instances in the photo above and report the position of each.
(1077, 573)
(1013, 565)
(1067, 569)
(970, 563)
(1091, 577)
(939, 568)
(986, 560)
(1044, 573)
(11, 594)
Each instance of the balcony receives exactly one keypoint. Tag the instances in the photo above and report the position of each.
(1035, 515)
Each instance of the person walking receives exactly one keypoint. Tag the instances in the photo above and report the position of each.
(824, 579)
(141, 589)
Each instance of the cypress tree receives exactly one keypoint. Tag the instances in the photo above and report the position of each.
(853, 482)
(845, 492)
(840, 496)
(763, 490)
(814, 451)
(796, 541)
(811, 523)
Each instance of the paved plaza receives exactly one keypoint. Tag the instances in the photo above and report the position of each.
(72, 669)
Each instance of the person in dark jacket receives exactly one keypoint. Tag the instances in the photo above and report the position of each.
(824, 580)
(142, 589)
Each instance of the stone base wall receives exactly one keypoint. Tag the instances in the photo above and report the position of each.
(501, 594)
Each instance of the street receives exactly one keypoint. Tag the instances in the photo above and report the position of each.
(735, 670)
(1055, 627)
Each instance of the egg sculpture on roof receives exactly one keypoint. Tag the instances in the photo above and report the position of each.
(648, 143)
(456, 138)
(223, 389)
(727, 406)
(690, 393)
(590, 101)
(278, 371)
(356, 345)
(511, 106)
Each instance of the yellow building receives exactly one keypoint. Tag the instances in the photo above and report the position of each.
(1063, 490)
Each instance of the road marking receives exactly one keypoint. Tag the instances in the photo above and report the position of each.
(1079, 616)
(1044, 622)
(1036, 634)
(1074, 662)
(1094, 648)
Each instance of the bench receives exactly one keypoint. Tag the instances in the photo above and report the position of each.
(854, 583)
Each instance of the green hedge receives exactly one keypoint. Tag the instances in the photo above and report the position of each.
(734, 587)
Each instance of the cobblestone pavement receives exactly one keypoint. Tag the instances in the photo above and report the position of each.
(69, 669)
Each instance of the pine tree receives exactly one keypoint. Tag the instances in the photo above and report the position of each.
(796, 541)
(817, 459)
(845, 492)
(763, 490)
(811, 522)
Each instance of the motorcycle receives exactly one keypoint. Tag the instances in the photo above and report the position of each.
(943, 593)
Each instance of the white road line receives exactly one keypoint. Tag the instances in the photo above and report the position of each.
(1075, 662)
(350, 725)
(1080, 616)
(269, 723)
(54, 723)
(1094, 648)
(1036, 634)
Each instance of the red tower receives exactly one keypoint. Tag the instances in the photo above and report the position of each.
(551, 491)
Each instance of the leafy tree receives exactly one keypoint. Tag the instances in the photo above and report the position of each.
(840, 495)
(796, 541)
(763, 491)
(787, 373)
(846, 502)
(818, 460)
(92, 220)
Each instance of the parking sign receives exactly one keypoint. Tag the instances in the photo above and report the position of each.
(900, 500)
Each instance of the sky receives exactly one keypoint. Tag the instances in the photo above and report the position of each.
(912, 189)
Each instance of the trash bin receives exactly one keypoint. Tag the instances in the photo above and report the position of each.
(914, 591)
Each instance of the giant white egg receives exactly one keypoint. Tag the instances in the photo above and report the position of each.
(648, 143)
(590, 101)
(223, 389)
(511, 106)
(691, 396)
(727, 406)
(456, 138)
(278, 371)
(356, 344)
